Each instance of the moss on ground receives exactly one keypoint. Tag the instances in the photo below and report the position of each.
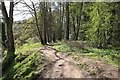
(27, 63)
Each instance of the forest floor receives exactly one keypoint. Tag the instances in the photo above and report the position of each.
(65, 65)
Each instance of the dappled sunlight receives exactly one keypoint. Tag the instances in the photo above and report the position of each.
(66, 40)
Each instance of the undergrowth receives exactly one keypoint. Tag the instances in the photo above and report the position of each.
(27, 63)
(110, 56)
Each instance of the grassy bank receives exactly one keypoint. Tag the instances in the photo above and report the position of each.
(27, 63)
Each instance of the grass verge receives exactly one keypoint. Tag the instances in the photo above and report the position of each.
(110, 56)
(27, 63)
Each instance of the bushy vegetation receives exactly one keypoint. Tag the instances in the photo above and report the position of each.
(27, 47)
(110, 56)
(27, 63)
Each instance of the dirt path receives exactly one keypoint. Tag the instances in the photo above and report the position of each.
(61, 65)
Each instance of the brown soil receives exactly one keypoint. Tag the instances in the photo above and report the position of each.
(62, 65)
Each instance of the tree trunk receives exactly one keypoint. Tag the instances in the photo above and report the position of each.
(37, 26)
(67, 21)
(4, 36)
(9, 24)
(50, 32)
(9, 59)
(44, 22)
(60, 24)
(78, 28)
(73, 23)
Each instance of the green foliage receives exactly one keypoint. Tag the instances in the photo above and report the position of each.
(27, 63)
(27, 47)
(92, 73)
(7, 62)
(97, 23)
(63, 48)
(100, 27)
(24, 31)
(110, 56)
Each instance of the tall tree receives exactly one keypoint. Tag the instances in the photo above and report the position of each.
(36, 21)
(60, 21)
(67, 20)
(8, 18)
(44, 23)
(33, 12)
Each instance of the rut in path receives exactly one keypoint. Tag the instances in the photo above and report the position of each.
(60, 65)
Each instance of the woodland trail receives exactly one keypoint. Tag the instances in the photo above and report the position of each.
(61, 65)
